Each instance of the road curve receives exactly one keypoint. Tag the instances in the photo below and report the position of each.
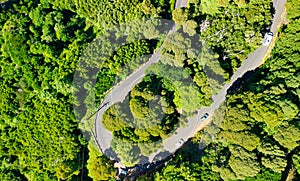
(119, 92)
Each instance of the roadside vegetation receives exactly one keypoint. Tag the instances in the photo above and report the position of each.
(42, 43)
(40, 47)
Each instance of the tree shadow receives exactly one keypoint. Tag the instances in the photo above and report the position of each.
(161, 156)
(111, 154)
(244, 80)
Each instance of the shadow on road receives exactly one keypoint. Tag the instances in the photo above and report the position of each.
(111, 154)
(240, 82)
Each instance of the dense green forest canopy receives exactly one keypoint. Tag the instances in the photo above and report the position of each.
(42, 42)
(40, 46)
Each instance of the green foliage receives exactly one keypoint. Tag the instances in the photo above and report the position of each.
(209, 7)
(113, 68)
(181, 168)
(270, 148)
(296, 162)
(243, 167)
(245, 139)
(188, 98)
(185, 171)
(231, 28)
(148, 148)
(104, 14)
(182, 171)
(260, 128)
(243, 163)
(180, 15)
(113, 119)
(139, 107)
(275, 163)
(175, 48)
(41, 42)
(40, 47)
(288, 136)
(127, 151)
(98, 165)
(264, 175)
(143, 120)
(235, 119)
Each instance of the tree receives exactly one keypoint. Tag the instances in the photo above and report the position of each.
(148, 148)
(186, 171)
(209, 7)
(265, 174)
(98, 165)
(114, 119)
(288, 136)
(243, 167)
(139, 107)
(275, 163)
(247, 140)
(243, 163)
(188, 98)
(180, 15)
(127, 151)
(296, 162)
(236, 119)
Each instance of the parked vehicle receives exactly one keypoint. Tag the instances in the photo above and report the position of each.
(204, 117)
(268, 39)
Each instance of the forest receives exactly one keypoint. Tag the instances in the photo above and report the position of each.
(191, 55)
(259, 137)
(42, 42)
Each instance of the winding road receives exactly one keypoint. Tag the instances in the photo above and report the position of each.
(103, 137)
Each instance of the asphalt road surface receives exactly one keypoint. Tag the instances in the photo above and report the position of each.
(120, 91)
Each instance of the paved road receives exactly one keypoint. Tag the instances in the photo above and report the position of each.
(119, 92)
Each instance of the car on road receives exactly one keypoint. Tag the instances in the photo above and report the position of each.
(268, 38)
(180, 143)
(204, 117)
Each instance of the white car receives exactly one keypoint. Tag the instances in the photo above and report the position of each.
(204, 117)
(268, 39)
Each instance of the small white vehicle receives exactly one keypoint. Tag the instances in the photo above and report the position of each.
(204, 117)
(268, 39)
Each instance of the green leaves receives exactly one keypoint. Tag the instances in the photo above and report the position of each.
(113, 119)
(288, 135)
(127, 151)
(296, 161)
(275, 163)
(185, 171)
(243, 163)
(209, 7)
(98, 165)
(245, 139)
(38, 128)
(188, 98)
(180, 15)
